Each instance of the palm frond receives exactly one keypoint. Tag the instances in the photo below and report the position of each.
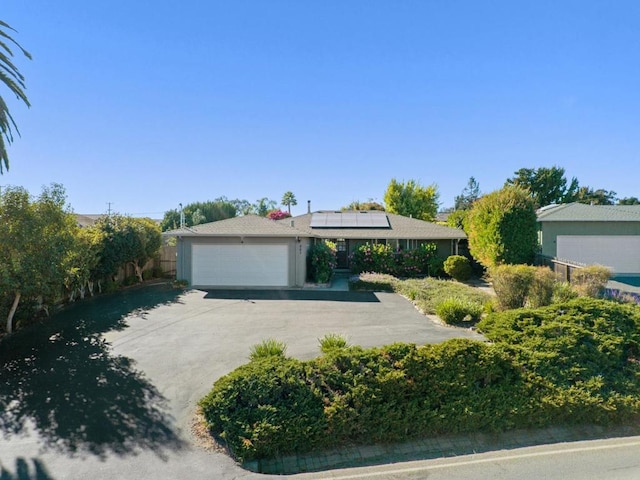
(11, 77)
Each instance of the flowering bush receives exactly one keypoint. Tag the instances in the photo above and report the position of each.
(278, 215)
(381, 258)
(322, 261)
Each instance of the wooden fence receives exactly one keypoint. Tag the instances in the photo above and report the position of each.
(562, 268)
(167, 260)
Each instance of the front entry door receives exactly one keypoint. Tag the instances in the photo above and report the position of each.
(342, 253)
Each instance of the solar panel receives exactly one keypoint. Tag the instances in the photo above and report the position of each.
(349, 220)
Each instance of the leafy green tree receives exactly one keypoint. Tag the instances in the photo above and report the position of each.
(11, 77)
(501, 227)
(127, 240)
(364, 206)
(263, 206)
(36, 239)
(200, 212)
(469, 194)
(83, 261)
(457, 219)
(412, 199)
(546, 186)
(596, 197)
(289, 199)
(629, 201)
(198, 217)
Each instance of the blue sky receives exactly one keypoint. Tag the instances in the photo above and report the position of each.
(146, 104)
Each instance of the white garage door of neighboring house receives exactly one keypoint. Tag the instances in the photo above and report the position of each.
(619, 252)
(240, 265)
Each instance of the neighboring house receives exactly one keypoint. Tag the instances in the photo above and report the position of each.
(252, 251)
(87, 220)
(606, 235)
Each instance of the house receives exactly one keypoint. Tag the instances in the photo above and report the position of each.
(606, 235)
(252, 251)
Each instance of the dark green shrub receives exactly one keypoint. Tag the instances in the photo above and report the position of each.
(455, 310)
(574, 341)
(435, 267)
(590, 281)
(266, 408)
(322, 261)
(511, 284)
(458, 267)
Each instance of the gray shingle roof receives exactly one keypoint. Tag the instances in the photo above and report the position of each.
(245, 226)
(580, 212)
(254, 226)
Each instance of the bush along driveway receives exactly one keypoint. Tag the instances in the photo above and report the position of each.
(567, 364)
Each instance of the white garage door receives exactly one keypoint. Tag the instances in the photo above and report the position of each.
(619, 252)
(240, 265)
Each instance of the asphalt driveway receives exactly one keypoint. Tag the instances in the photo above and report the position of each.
(108, 388)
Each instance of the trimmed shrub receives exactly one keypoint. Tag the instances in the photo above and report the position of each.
(266, 408)
(511, 284)
(501, 228)
(563, 292)
(590, 281)
(574, 341)
(458, 267)
(322, 261)
(332, 341)
(268, 348)
(563, 364)
(455, 310)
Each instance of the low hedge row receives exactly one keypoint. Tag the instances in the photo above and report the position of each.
(581, 364)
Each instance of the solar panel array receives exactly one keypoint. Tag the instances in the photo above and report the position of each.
(349, 220)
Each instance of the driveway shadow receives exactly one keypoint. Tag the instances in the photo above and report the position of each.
(24, 472)
(317, 295)
(60, 379)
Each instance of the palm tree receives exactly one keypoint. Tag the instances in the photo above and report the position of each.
(289, 199)
(14, 81)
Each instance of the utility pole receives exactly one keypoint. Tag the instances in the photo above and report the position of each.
(109, 209)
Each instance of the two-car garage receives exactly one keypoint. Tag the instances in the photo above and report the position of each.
(621, 253)
(240, 265)
(241, 252)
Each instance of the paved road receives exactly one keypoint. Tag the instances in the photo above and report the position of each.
(610, 459)
(108, 391)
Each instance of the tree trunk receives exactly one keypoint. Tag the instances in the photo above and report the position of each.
(138, 270)
(90, 287)
(12, 312)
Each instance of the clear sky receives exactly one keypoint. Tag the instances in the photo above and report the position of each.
(146, 104)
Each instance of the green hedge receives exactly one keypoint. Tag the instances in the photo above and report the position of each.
(571, 363)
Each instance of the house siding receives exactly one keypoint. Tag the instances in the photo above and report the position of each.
(549, 232)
